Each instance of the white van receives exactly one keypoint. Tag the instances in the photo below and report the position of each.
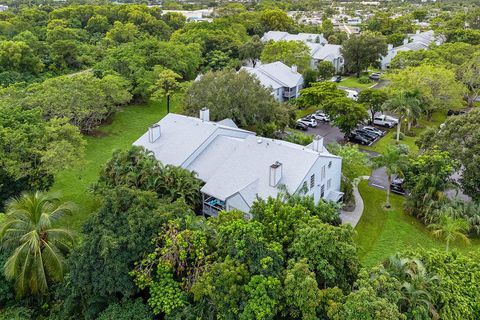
(352, 94)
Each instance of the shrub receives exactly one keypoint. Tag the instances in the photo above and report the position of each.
(363, 80)
(299, 138)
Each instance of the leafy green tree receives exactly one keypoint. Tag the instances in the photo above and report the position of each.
(373, 100)
(329, 251)
(394, 159)
(363, 304)
(98, 24)
(319, 94)
(121, 33)
(469, 74)
(436, 85)
(427, 176)
(326, 70)
(345, 113)
(138, 168)
(406, 104)
(219, 92)
(353, 160)
(127, 310)
(289, 52)
(33, 149)
(166, 85)
(37, 245)
(114, 238)
(301, 291)
(251, 50)
(362, 51)
(275, 19)
(459, 137)
(217, 60)
(262, 298)
(449, 228)
(18, 56)
(83, 98)
(327, 28)
(456, 293)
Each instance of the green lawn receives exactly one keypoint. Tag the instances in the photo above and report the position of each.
(126, 126)
(389, 138)
(352, 82)
(381, 233)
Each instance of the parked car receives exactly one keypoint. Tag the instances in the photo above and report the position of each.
(352, 94)
(397, 185)
(383, 121)
(360, 139)
(309, 121)
(336, 79)
(455, 112)
(320, 116)
(393, 119)
(369, 135)
(374, 130)
(301, 126)
(375, 76)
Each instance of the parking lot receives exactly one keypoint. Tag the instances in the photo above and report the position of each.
(329, 133)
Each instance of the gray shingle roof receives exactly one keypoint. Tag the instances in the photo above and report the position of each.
(275, 75)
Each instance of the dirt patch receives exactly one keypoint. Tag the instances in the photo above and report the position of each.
(96, 134)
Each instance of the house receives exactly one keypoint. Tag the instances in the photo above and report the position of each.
(413, 42)
(320, 50)
(285, 36)
(237, 166)
(326, 52)
(284, 81)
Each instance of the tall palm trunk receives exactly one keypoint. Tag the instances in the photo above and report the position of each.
(398, 129)
(387, 204)
(447, 245)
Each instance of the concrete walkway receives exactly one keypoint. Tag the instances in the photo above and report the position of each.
(354, 216)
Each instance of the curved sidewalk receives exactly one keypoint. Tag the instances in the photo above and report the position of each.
(354, 216)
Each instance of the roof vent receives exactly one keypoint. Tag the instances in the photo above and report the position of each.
(259, 141)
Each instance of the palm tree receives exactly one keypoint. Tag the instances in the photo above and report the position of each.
(415, 285)
(449, 228)
(407, 104)
(37, 247)
(394, 159)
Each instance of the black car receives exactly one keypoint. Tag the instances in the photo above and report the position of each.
(358, 138)
(370, 135)
(397, 186)
(301, 126)
(455, 112)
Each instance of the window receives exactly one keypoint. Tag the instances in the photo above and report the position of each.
(329, 164)
(322, 191)
(305, 186)
(323, 172)
(329, 183)
(312, 181)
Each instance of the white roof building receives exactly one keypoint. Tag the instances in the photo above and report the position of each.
(413, 42)
(284, 81)
(320, 50)
(285, 36)
(237, 166)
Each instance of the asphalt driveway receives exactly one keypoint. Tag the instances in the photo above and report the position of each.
(329, 133)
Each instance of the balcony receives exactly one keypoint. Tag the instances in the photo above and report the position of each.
(289, 92)
(212, 206)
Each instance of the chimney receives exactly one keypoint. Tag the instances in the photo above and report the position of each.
(294, 68)
(154, 133)
(317, 144)
(205, 114)
(405, 41)
(275, 173)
